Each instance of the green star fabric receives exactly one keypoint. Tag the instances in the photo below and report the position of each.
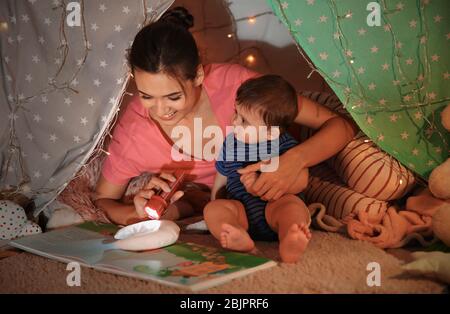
(392, 78)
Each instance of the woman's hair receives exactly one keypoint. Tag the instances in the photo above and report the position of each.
(167, 46)
(272, 97)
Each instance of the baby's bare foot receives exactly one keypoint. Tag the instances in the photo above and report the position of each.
(294, 243)
(236, 238)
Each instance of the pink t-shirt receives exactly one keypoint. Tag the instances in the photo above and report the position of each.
(138, 145)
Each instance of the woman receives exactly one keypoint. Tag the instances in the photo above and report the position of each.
(176, 90)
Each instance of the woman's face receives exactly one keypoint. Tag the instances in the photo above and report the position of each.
(164, 97)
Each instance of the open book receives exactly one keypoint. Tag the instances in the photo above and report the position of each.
(184, 265)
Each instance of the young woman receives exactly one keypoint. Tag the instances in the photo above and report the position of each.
(176, 90)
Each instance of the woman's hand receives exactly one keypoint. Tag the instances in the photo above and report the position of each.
(248, 180)
(156, 183)
(270, 186)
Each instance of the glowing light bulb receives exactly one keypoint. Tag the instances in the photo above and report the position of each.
(151, 213)
(3, 26)
(352, 61)
(251, 20)
(401, 182)
(230, 35)
(250, 59)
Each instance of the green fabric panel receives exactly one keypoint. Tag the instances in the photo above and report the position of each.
(392, 78)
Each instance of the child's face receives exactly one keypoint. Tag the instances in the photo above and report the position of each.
(249, 127)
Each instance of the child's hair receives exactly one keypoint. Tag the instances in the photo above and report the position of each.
(272, 97)
(167, 46)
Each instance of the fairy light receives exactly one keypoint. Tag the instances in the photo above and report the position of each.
(250, 59)
(230, 35)
(104, 151)
(3, 27)
(252, 20)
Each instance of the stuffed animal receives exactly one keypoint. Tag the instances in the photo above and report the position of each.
(14, 223)
(436, 201)
(430, 264)
(441, 224)
(439, 185)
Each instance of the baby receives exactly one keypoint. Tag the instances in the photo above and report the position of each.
(265, 107)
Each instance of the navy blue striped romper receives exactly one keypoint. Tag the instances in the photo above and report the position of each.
(236, 155)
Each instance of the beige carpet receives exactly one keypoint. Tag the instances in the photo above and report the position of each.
(332, 264)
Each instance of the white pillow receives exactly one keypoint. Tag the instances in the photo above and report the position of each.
(147, 235)
(61, 215)
(432, 264)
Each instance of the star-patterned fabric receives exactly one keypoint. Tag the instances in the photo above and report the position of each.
(61, 85)
(392, 78)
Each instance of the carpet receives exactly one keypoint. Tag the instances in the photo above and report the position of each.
(332, 263)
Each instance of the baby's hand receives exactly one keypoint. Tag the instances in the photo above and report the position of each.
(248, 180)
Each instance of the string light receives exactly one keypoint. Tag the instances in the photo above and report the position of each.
(104, 151)
(236, 57)
(251, 20)
(3, 26)
(250, 59)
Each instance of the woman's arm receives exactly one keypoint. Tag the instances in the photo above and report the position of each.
(108, 198)
(334, 132)
(301, 184)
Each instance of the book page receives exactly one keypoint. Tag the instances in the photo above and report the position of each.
(73, 242)
(183, 264)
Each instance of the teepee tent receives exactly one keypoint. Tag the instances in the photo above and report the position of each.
(64, 79)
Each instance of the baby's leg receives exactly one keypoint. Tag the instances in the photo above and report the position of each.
(290, 218)
(227, 221)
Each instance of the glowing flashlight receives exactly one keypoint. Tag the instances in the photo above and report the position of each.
(158, 203)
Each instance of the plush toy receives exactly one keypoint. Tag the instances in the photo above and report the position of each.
(14, 223)
(430, 264)
(439, 181)
(445, 118)
(441, 224)
(439, 185)
(436, 202)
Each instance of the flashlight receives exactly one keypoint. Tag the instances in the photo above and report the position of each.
(157, 204)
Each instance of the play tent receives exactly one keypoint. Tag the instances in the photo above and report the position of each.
(64, 79)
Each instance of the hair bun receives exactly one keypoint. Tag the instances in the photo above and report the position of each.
(179, 16)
